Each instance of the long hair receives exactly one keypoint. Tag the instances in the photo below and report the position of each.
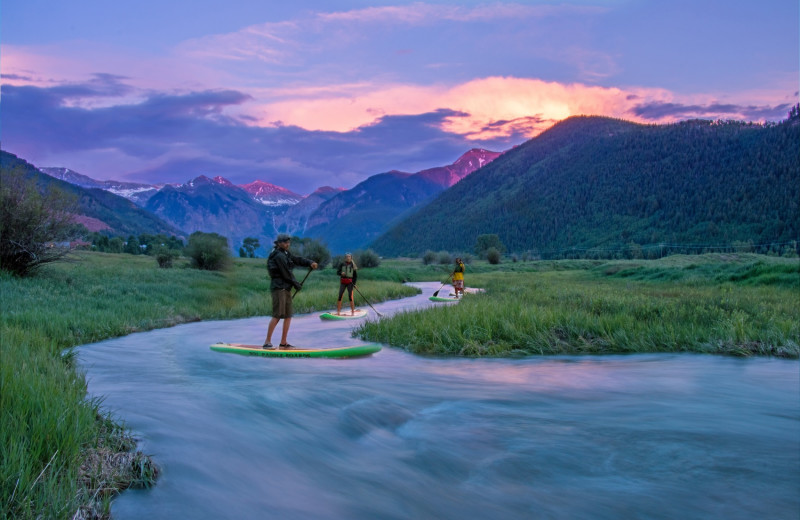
(352, 260)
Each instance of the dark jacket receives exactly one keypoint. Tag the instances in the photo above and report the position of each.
(280, 264)
(345, 271)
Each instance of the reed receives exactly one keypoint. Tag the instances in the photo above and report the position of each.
(745, 305)
(49, 429)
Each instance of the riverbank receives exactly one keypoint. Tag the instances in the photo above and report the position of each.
(61, 455)
(733, 304)
(745, 304)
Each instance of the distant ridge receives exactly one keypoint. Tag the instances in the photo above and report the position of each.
(594, 181)
(355, 217)
(99, 210)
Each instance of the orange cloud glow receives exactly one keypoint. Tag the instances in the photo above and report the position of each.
(492, 107)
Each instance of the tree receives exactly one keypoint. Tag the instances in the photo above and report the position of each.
(249, 246)
(486, 242)
(368, 258)
(312, 249)
(132, 246)
(208, 251)
(35, 227)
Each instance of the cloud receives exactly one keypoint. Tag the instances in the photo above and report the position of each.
(175, 137)
(660, 111)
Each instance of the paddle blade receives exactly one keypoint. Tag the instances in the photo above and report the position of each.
(435, 294)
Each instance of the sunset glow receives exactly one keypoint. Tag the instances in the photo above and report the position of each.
(287, 94)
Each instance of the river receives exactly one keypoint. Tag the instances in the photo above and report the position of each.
(398, 436)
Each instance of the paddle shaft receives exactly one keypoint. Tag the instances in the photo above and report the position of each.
(442, 287)
(301, 283)
(368, 303)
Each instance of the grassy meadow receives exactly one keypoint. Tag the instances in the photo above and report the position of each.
(49, 429)
(55, 444)
(735, 304)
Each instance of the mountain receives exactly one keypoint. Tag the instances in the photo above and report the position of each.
(353, 218)
(295, 219)
(447, 176)
(98, 210)
(134, 191)
(598, 182)
(271, 195)
(214, 206)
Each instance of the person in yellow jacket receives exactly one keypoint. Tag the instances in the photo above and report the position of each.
(458, 277)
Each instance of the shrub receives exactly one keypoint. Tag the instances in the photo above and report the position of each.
(165, 257)
(35, 227)
(493, 255)
(208, 251)
(429, 257)
(368, 258)
(486, 242)
(444, 257)
(312, 249)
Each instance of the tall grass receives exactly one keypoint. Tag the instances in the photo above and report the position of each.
(743, 306)
(48, 428)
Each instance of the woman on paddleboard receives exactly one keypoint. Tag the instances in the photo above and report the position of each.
(348, 274)
(280, 264)
(458, 277)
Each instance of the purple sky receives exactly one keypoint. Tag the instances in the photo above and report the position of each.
(310, 93)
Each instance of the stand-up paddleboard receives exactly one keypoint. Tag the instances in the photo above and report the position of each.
(345, 315)
(298, 352)
(443, 299)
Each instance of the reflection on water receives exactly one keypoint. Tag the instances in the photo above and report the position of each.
(396, 436)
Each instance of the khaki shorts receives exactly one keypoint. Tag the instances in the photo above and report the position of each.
(458, 284)
(282, 303)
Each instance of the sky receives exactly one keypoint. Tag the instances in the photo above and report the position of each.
(305, 94)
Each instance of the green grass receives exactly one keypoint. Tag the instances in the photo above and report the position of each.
(730, 304)
(48, 427)
(725, 304)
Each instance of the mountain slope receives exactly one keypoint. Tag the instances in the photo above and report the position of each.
(134, 191)
(599, 182)
(355, 217)
(214, 206)
(98, 209)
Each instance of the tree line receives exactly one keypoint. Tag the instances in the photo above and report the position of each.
(593, 182)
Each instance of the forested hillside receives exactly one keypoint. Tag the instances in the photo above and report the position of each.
(100, 209)
(591, 182)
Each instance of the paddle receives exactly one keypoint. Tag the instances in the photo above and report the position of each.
(373, 308)
(442, 287)
(301, 283)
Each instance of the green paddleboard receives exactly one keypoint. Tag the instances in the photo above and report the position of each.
(442, 299)
(345, 315)
(298, 352)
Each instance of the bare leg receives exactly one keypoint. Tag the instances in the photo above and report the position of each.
(339, 307)
(272, 323)
(352, 306)
(286, 323)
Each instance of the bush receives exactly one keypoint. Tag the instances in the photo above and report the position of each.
(312, 249)
(208, 251)
(368, 258)
(486, 242)
(165, 257)
(493, 255)
(429, 257)
(444, 257)
(35, 228)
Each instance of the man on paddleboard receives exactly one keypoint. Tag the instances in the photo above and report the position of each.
(348, 274)
(280, 264)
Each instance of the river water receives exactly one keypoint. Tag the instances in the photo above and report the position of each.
(397, 436)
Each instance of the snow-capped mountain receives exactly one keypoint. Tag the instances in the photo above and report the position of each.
(271, 195)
